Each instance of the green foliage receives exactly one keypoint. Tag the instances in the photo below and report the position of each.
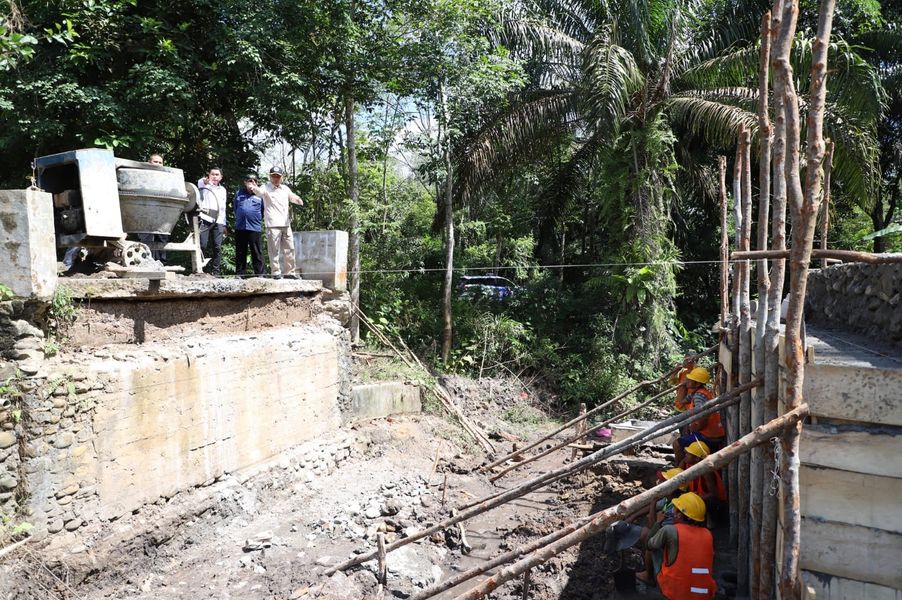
(6, 293)
(61, 314)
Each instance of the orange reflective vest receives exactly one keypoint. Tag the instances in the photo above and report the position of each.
(690, 577)
(699, 487)
(713, 429)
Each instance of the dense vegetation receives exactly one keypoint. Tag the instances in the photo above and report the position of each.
(574, 140)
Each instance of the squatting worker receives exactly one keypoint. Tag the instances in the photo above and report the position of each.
(212, 217)
(660, 514)
(687, 567)
(248, 227)
(277, 217)
(708, 429)
(710, 486)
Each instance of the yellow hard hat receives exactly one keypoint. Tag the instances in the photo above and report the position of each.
(671, 473)
(698, 448)
(691, 505)
(699, 374)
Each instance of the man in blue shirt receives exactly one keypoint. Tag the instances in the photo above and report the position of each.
(248, 227)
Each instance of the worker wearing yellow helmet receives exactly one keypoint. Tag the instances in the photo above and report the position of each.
(709, 487)
(709, 428)
(687, 547)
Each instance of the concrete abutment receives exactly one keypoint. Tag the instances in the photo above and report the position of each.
(153, 392)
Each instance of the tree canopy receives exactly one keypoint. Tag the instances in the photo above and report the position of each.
(579, 141)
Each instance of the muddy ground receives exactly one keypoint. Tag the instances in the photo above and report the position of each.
(272, 535)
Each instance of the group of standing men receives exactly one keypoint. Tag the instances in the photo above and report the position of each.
(255, 206)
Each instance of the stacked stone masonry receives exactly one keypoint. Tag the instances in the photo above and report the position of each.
(90, 435)
(858, 297)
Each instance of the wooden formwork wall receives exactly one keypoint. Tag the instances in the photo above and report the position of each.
(851, 480)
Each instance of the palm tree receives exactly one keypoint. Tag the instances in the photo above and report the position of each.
(644, 90)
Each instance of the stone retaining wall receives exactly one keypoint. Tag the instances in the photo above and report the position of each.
(92, 434)
(857, 297)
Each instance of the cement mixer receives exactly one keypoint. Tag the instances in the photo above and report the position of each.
(98, 200)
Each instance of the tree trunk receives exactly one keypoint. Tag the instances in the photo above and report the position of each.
(448, 208)
(354, 224)
(804, 208)
(757, 416)
(601, 520)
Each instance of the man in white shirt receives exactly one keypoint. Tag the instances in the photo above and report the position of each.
(277, 218)
(212, 216)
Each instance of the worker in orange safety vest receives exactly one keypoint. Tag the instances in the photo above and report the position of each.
(710, 486)
(687, 569)
(708, 429)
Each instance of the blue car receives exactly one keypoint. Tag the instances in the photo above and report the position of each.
(488, 286)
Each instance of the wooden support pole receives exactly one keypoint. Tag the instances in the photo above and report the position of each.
(504, 496)
(825, 208)
(527, 583)
(779, 53)
(745, 365)
(724, 245)
(580, 430)
(383, 569)
(602, 519)
(576, 437)
(757, 413)
(737, 219)
(804, 208)
(596, 410)
(870, 258)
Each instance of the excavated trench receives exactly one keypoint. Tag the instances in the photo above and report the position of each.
(271, 535)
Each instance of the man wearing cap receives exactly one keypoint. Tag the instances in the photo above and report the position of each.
(279, 238)
(687, 569)
(248, 227)
(212, 216)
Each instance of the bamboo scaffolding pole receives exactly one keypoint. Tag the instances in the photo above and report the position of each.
(724, 245)
(732, 428)
(804, 209)
(737, 220)
(516, 553)
(604, 518)
(825, 208)
(504, 496)
(668, 425)
(745, 366)
(436, 388)
(870, 258)
(779, 52)
(757, 413)
(597, 409)
(577, 437)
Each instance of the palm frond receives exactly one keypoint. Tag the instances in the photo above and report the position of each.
(536, 38)
(856, 158)
(881, 47)
(715, 115)
(737, 67)
(561, 189)
(575, 18)
(612, 77)
(525, 130)
(851, 82)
